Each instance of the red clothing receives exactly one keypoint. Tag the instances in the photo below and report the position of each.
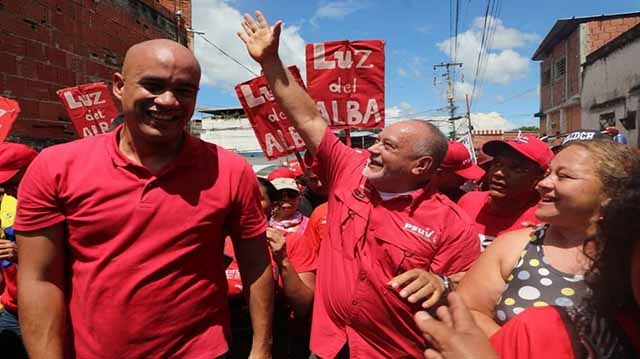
(234, 281)
(491, 224)
(369, 243)
(310, 243)
(9, 298)
(145, 252)
(295, 250)
(534, 333)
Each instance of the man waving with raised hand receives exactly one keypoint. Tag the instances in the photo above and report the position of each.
(392, 239)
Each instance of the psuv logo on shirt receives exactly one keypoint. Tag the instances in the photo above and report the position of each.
(428, 233)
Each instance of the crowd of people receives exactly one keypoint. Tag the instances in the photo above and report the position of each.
(147, 242)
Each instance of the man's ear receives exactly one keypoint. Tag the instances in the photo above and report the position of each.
(423, 165)
(118, 85)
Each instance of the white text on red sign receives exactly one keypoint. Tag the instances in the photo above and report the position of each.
(341, 59)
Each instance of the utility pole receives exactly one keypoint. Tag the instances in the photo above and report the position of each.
(449, 74)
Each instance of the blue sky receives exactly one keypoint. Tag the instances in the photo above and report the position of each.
(416, 34)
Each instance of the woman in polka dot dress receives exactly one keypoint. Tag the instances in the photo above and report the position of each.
(545, 266)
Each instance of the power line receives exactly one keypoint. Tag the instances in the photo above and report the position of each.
(225, 53)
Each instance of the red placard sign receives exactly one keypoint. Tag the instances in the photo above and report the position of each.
(276, 135)
(90, 107)
(9, 111)
(346, 79)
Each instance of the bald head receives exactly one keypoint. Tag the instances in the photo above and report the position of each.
(162, 50)
(426, 138)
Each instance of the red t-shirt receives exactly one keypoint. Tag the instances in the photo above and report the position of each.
(541, 333)
(490, 224)
(369, 243)
(9, 298)
(144, 252)
(307, 251)
(296, 252)
(534, 333)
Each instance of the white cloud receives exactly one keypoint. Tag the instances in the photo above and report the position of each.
(220, 22)
(490, 121)
(503, 63)
(399, 112)
(336, 10)
(412, 68)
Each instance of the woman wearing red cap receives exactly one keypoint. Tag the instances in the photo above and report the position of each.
(546, 265)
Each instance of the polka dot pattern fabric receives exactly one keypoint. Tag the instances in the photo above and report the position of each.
(535, 283)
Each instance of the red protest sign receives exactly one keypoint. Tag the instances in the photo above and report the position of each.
(9, 111)
(346, 79)
(276, 135)
(90, 107)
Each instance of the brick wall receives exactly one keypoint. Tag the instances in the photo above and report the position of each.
(46, 45)
(601, 32)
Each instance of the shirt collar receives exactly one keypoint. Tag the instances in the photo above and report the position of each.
(366, 191)
(188, 155)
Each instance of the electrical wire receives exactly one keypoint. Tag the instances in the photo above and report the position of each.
(227, 55)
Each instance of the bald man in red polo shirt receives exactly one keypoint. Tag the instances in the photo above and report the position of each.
(390, 233)
(121, 235)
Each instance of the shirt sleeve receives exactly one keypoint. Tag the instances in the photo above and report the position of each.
(38, 202)
(304, 254)
(535, 333)
(246, 219)
(459, 250)
(334, 158)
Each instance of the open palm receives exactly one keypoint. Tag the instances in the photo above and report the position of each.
(260, 39)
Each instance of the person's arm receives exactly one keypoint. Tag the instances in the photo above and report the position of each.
(454, 335)
(298, 287)
(257, 279)
(262, 43)
(42, 309)
(484, 283)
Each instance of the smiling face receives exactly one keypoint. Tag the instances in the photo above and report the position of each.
(157, 88)
(287, 204)
(394, 165)
(571, 193)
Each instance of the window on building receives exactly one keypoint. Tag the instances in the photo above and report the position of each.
(607, 120)
(546, 77)
(560, 68)
(629, 122)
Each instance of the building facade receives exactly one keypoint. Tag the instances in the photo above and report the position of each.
(611, 86)
(562, 54)
(46, 45)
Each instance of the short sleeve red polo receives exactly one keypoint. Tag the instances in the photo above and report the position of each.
(145, 252)
(491, 224)
(370, 242)
(306, 251)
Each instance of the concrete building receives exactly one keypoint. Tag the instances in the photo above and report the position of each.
(611, 86)
(562, 53)
(46, 45)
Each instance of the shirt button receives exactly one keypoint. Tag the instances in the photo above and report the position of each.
(362, 276)
(372, 229)
(354, 302)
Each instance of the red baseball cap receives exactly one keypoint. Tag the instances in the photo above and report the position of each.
(13, 158)
(528, 146)
(458, 160)
(281, 172)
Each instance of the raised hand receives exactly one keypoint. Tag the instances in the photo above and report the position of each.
(261, 41)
